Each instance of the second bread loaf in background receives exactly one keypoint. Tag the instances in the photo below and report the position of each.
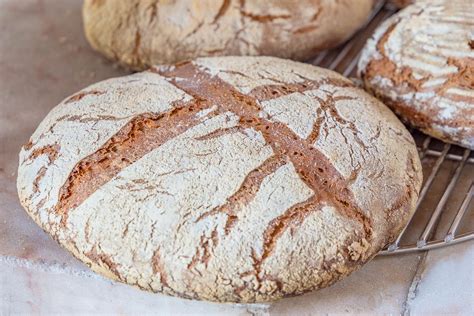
(142, 33)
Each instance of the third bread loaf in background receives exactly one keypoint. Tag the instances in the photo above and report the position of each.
(142, 33)
(420, 62)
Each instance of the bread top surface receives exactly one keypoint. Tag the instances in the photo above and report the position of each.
(230, 179)
(420, 62)
(142, 33)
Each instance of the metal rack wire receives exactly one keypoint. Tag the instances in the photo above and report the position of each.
(445, 210)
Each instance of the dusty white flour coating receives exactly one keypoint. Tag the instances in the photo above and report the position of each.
(76, 129)
(143, 33)
(226, 209)
(425, 71)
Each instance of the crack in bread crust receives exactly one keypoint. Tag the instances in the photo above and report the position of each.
(327, 183)
(96, 255)
(268, 92)
(51, 151)
(220, 132)
(147, 132)
(204, 251)
(464, 78)
(246, 192)
(138, 137)
(292, 217)
(81, 95)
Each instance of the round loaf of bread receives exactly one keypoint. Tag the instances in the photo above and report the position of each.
(140, 33)
(420, 62)
(232, 179)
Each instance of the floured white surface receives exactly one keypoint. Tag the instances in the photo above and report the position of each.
(446, 284)
(38, 288)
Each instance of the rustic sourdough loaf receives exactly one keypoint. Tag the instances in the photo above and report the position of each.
(142, 33)
(238, 179)
(420, 62)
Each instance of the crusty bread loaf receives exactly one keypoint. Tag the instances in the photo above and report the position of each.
(238, 179)
(420, 62)
(140, 33)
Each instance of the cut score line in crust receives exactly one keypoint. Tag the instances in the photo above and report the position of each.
(147, 132)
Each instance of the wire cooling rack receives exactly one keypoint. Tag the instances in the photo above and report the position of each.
(445, 210)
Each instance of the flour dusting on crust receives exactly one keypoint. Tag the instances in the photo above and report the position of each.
(202, 182)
